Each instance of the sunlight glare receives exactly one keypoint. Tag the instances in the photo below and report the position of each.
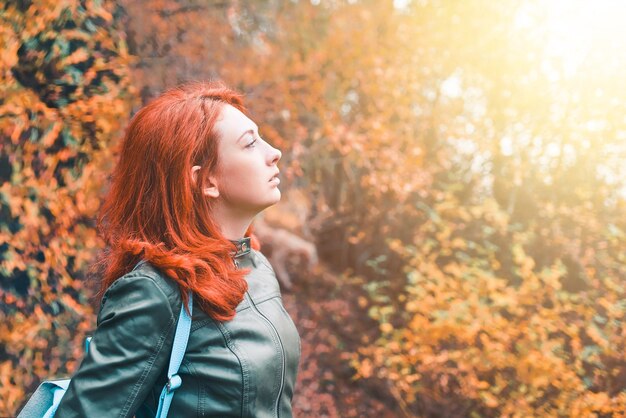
(576, 30)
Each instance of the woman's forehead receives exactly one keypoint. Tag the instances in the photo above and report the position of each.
(232, 122)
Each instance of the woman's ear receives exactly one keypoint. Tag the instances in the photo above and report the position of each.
(194, 173)
(212, 189)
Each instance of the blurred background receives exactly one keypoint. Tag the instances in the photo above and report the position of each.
(451, 239)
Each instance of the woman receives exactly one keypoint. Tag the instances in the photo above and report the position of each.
(192, 175)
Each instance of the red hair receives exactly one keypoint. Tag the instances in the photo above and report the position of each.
(155, 210)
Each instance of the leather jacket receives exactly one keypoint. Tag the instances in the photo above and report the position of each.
(245, 367)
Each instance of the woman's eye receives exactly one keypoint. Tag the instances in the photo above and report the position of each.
(251, 144)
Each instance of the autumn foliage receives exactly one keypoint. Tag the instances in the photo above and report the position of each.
(65, 97)
(465, 179)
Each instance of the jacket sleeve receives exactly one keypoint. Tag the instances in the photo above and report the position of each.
(129, 350)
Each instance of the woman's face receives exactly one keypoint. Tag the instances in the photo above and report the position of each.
(246, 181)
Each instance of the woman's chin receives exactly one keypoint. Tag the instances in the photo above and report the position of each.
(279, 196)
(271, 202)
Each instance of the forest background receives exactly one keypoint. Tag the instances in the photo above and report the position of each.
(461, 166)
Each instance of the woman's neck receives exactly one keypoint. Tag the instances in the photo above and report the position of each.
(233, 225)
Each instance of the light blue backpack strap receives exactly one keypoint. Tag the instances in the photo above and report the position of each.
(178, 351)
(46, 399)
(57, 395)
(87, 341)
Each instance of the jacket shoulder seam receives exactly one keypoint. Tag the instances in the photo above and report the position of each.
(158, 278)
(139, 275)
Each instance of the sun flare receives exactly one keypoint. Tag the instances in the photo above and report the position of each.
(581, 33)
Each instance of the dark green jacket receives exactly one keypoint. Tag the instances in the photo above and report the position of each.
(245, 367)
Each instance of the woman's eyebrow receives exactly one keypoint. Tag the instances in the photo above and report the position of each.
(249, 131)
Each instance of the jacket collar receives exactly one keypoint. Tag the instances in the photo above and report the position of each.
(243, 247)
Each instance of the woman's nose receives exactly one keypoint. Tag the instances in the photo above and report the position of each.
(275, 154)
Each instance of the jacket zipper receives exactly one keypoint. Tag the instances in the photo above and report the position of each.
(282, 349)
